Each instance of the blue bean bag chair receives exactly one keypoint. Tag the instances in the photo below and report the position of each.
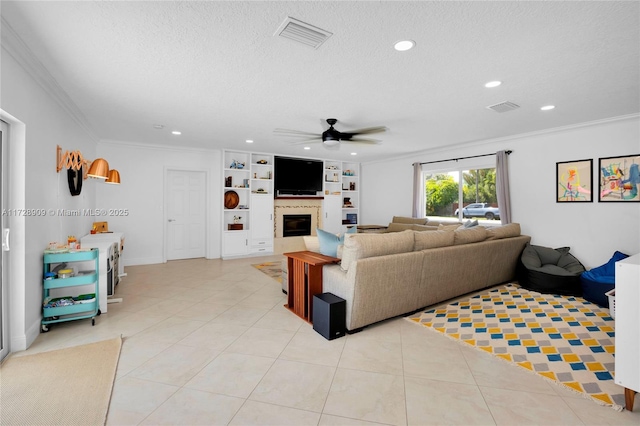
(548, 270)
(597, 281)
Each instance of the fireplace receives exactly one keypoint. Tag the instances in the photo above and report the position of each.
(295, 225)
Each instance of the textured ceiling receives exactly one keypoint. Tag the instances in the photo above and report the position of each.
(216, 72)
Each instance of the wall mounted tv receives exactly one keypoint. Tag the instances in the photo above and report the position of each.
(297, 176)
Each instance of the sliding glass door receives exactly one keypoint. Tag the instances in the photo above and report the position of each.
(4, 254)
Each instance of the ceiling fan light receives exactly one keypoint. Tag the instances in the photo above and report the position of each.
(331, 142)
(99, 169)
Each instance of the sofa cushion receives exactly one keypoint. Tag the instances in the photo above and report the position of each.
(361, 246)
(464, 235)
(399, 227)
(504, 231)
(432, 239)
(411, 220)
(312, 243)
(424, 228)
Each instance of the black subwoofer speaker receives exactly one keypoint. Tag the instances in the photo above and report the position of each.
(329, 315)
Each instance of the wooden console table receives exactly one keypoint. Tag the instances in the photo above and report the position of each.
(305, 281)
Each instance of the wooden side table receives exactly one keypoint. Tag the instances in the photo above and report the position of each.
(305, 281)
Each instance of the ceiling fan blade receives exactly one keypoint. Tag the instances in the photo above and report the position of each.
(295, 132)
(312, 140)
(367, 130)
(362, 141)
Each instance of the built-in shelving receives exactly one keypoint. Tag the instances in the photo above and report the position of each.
(248, 225)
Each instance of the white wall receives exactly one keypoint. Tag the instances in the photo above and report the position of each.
(142, 172)
(46, 125)
(592, 230)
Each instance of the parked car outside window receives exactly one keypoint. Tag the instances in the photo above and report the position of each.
(480, 210)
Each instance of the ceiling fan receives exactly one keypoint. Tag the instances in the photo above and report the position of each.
(331, 138)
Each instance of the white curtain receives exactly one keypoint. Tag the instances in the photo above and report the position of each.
(502, 186)
(418, 191)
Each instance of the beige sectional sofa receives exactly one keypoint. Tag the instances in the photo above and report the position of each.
(389, 274)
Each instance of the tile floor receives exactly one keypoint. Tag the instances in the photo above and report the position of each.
(208, 342)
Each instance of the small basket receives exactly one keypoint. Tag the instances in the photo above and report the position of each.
(611, 294)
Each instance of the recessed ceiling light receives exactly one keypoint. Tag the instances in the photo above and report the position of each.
(249, 141)
(158, 126)
(175, 132)
(491, 84)
(354, 153)
(404, 45)
(307, 148)
(547, 107)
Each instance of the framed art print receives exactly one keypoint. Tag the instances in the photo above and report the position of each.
(619, 179)
(574, 181)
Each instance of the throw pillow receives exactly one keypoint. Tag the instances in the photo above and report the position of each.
(448, 227)
(329, 242)
(471, 223)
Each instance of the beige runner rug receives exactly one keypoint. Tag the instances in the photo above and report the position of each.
(70, 386)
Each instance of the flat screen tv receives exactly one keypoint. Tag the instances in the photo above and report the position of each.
(297, 176)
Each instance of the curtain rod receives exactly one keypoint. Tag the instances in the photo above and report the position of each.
(463, 158)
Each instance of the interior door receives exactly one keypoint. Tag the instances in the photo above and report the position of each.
(185, 207)
(4, 257)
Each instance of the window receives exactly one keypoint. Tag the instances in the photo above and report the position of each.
(473, 188)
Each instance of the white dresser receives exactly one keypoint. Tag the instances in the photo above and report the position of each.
(110, 237)
(627, 311)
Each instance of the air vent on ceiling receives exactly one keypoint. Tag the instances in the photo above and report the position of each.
(302, 32)
(503, 106)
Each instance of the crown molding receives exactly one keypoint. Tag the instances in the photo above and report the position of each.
(157, 147)
(20, 51)
(480, 143)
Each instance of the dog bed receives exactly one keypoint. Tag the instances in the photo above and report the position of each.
(548, 270)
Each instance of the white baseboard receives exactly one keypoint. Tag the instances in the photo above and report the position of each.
(143, 261)
(22, 343)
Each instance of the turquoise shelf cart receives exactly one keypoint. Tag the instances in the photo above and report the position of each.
(83, 309)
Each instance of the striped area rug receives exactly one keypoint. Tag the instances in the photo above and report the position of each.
(562, 338)
(273, 269)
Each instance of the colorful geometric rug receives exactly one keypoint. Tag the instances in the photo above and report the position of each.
(273, 269)
(562, 338)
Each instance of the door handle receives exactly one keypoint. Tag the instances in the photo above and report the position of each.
(5, 239)
(171, 220)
